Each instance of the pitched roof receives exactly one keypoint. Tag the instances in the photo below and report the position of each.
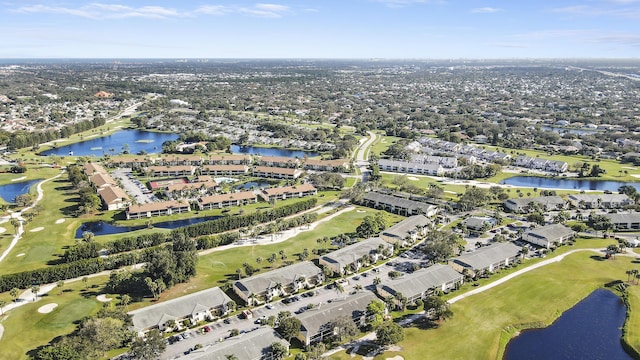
(407, 226)
(251, 345)
(488, 255)
(313, 319)
(624, 218)
(275, 170)
(550, 232)
(421, 280)
(111, 194)
(397, 202)
(214, 199)
(102, 179)
(592, 198)
(289, 189)
(351, 253)
(259, 283)
(225, 167)
(155, 206)
(183, 306)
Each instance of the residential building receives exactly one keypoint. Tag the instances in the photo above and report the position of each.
(130, 161)
(286, 280)
(100, 180)
(113, 198)
(479, 223)
(229, 159)
(227, 200)
(180, 160)
(337, 165)
(351, 257)
(251, 345)
(407, 231)
(421, 283)
(398, 205)
(183, 188)
(278, 161)
(224, 170)
(600, 201)
(171, 170)
(625, 221)
(411, 167)
(486, 259)
(92, 168)
(157, 209)
(546, 203)
(287, 192)
(445, 161)
(276, 172)
(316, 324)
(548, 236)
(199, 306)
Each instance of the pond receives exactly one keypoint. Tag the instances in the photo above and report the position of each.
(568, 184)
(589, 330)
(9, 192)
(105, 228)
(252, 185)
(135, 140)
(255, 150)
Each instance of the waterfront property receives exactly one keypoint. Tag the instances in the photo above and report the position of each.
(546, 203)
(600, 201)
(317, 324)
(277, 161)
(549, 236)
(486, 259)
(287, 192)
(199, 306)
(227, 200)
(224, 170)
(171, 170)
(407, 231)
(625, 221)
(411, 167)
(252, 345)
(421, 283)
(352, 257)
(157, 209)
(398, 205)
(130, 161)
(113, 198)
(279, 282)
(542, 164)
(229, 159)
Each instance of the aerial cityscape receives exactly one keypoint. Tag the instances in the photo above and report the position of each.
(424, 180)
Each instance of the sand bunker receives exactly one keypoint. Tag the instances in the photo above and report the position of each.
(103, 298)
(37, 229)
(413, 178)
(20, 178)
(60, 221)
(397, 357)
(2, 229)
(45, 309)
(21, 254)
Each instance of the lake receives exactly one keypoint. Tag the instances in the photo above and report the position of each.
(151, 143)
(137, 140)
(568, 184)
(105, 228)
(589, 330)
(9, 192)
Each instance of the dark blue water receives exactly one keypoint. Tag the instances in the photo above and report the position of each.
(137, 140)
(104, 228)
(252, 185)
(9, 191)
(570, 184)
(271, 151)
(589, 330)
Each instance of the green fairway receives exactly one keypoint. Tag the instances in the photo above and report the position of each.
(26, 329)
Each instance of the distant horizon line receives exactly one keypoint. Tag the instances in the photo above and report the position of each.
(316, 58)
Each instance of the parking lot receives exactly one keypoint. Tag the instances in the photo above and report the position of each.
(133, 186)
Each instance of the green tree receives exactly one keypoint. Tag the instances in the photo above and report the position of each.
(437, 308)
(14, 294)
(150, 347)
(278, 351)
(289, 327)
(389, 333)
(344, 327)
(63, 350)
(60, 286)
(104, 333)
(368, 227)
(377, 310)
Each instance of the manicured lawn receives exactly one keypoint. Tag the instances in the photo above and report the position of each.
(26, 329)
(540, 296)
(382, 144)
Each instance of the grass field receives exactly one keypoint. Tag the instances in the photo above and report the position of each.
(26, 329)
(483, 323)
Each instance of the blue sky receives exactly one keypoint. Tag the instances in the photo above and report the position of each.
(433, 29)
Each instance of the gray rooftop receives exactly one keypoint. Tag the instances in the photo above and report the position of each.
(351, 253)
(397, 202)
(551, 232)
(257, 284)
(421, 280)
(624, 218)
(181, 307)
(591, 198)
(407, 226)
(549, 201)
(253, 345)
(352, 306)
(488, 255)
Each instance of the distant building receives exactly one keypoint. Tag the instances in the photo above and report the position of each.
(421, 283)
(625, 221)
(352, 257)
(157, 209)
(398, 205)
(600, 201)
(546, 203)
(276, 172)
(220, 201)
(411, 167)
(287, 192)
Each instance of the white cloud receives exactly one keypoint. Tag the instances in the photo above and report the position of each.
(116, 11)
(485, 10)
(630, 12)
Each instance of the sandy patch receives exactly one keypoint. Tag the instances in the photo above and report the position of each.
(397, 357)
(103, 298)
(37, 229)
(2, 229)
(20, 178)
(629, 167)
(60, 221)
(45, 309)
(1, 330)
(635, 175)
(413, 178)
(361, 211)
(20, 255)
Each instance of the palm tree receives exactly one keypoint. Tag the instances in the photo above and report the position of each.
(60, 285)
(629, 273)
(14, 293)
(34, 290)
(377, 280)
(85, 280)
(231, 357)
(339, 288)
